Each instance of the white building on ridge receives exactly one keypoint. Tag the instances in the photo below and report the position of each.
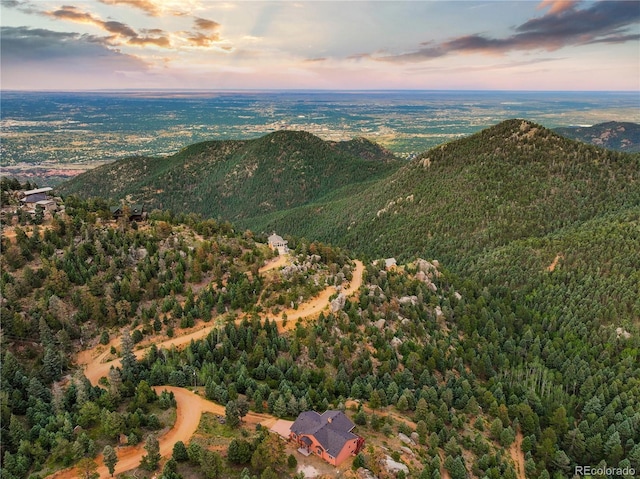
(276, 242)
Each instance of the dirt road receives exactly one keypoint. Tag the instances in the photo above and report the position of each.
(95, 365)
(277, 262)
(190, 406)
(317, 304)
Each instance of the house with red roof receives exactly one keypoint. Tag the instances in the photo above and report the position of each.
(328, 435)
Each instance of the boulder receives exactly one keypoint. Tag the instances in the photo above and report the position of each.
(408, 300)
(363, 473)
(406, 450)
(393, 466)
(338, 303)
(424, 277)
(406, 439)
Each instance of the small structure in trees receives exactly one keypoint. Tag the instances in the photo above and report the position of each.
(31, 197)
(134, 212)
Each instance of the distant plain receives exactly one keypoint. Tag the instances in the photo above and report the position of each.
(64, 133)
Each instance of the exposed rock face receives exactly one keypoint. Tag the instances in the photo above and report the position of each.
(406, 450)
(137, 254)
(363, 473)
(621, 332)
(338, 303)
(430, 268)
(406, 439)
(408, 299)
(424, 277)
(393, 466)
(380, 323)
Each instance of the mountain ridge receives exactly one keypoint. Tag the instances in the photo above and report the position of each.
(276, 171)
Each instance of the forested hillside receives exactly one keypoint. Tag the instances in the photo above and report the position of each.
(513, 181)
(478, 374)
(239, 179)
(614, 135)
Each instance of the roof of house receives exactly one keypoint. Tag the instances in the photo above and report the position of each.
(274, 238)
(133, 209)
(38, 190)
(332, 429)
(136, 209)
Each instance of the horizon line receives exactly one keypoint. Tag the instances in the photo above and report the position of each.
(298, 90)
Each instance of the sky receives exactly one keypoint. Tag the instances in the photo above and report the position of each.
(342, 45)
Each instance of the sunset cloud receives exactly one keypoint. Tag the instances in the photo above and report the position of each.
(204, 24)
(147, 6)
(567, 26)
(212, 44)
(557, 6)
(156, 8)
(24, 44)
(206, 33)
(121, 33)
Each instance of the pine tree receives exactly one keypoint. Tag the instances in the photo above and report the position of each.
(258, 399)
(88, 468)
(129, 361)
(211, 464)
(243, 407)
(115, 383)
(280, 407)
(152, 458)
(180, 452)
(231, 415)
(51, 365)
(110, 458)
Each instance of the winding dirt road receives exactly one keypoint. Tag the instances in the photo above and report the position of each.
(320, 302)
(96, 367)
(190, 406)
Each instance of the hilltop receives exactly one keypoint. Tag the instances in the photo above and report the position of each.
(239, 179)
